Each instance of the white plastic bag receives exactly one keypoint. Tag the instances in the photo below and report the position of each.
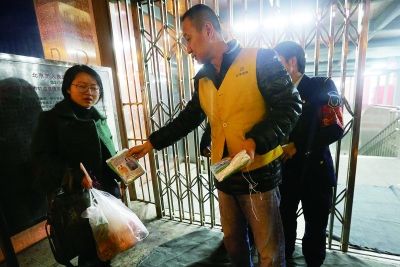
(115, 227)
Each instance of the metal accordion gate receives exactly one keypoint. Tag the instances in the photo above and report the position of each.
(158, 74)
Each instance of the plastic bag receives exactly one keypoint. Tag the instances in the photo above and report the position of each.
(115, 227)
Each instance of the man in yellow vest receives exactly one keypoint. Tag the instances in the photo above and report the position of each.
(251, 105)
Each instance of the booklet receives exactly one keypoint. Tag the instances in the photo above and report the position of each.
(227, 166)
(128, 168)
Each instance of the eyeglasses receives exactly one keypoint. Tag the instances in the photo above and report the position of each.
(85, 88)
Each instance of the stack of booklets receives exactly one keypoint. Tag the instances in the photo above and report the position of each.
(228, 166)
(127, 168)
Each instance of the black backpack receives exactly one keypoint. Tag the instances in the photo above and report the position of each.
(64, 224)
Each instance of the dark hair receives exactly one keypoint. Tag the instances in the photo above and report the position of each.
(71, 73)
(199, 14)
(289, 49)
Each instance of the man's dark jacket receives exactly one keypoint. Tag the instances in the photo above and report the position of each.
(283, 104)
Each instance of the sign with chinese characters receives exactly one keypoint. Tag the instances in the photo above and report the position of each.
(67, 30)
(46, 77)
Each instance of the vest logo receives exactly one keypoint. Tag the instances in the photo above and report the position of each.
(242, 72)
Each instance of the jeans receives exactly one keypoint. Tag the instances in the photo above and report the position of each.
(259, 211)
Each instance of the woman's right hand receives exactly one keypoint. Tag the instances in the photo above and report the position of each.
(87, 182)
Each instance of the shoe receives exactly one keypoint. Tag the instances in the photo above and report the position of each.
(290, 262)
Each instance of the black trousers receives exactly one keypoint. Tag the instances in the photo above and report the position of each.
(316, 200)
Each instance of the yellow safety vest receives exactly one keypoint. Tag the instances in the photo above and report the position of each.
(235, 108)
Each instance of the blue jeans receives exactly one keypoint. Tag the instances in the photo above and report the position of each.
(259, 211)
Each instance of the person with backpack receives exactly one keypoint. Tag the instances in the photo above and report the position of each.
(308, 172)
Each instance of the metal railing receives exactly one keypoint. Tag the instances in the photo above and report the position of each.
(385, 143)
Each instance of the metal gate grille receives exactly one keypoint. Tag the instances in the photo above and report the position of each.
(335, 41)
(186, 193)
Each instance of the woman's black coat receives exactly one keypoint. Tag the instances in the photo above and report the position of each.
(62, 141)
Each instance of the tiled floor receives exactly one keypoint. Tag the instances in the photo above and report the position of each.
(162, 231)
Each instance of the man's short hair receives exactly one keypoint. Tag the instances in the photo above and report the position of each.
(200, 14)
(289, 49)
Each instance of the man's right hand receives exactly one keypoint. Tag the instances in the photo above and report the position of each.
(140, 150)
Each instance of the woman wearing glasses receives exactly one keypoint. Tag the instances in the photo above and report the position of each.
(75, 132)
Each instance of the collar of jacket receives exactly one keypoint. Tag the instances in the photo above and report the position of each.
(64, 109)
(310, 87)
(208, 69)
(304, 88)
